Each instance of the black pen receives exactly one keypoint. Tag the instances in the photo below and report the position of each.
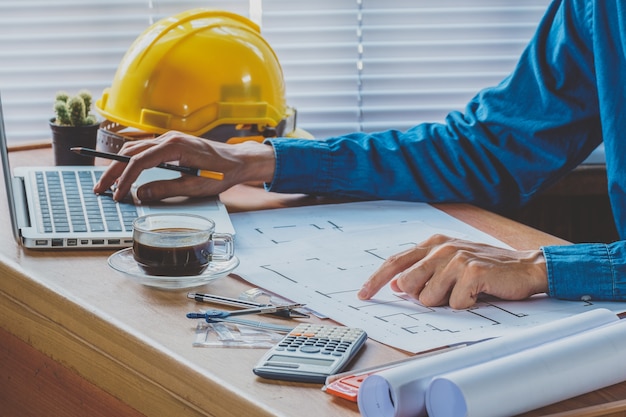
(219, 299)
(122, 158)
(235, 302)
(222, 314)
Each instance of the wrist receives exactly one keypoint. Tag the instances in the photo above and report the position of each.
(539, 275)
(258, 161)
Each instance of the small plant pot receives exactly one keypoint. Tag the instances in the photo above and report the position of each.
(66, 137)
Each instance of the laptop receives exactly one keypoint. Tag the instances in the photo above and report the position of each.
(54, 207)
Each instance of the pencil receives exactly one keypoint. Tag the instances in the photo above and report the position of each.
(123, 158)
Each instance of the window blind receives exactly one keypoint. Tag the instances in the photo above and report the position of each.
(70, 45)
(317, 45)
(349, 65)
(422, 60)
(366, 65)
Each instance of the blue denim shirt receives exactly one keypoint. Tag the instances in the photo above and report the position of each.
(566, 95)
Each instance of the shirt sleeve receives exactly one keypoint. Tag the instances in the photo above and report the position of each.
(589, 271)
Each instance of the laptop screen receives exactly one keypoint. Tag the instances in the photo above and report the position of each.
(8, 176)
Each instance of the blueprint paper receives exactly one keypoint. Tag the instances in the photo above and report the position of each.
(321, 255)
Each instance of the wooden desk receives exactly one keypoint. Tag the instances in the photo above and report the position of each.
(79, 339)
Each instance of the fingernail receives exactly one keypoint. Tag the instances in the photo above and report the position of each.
(363, 293)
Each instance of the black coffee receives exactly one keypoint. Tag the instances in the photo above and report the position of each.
(172, 260)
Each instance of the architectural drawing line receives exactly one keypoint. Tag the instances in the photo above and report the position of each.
(267, 267)
(474, 312)
(335, 225)
(371, 252)
(322, 294)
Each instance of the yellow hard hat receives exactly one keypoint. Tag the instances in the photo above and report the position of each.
(204, 72)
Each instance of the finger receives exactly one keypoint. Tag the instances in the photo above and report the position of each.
(428, 271)
(393, 284)
(463, 295)
(144, 156)
(389, 269)
(116, 168)
(158, 190)
(458, 284)
(109, 177)
(398, 263)
(126, 179)
(413, 281)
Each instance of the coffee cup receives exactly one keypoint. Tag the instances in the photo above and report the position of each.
(178, 244)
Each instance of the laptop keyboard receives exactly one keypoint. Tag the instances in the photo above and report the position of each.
(68, 204)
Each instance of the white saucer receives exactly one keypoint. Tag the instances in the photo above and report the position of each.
(123, 261)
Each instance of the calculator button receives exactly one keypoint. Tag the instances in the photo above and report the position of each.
(309, 349)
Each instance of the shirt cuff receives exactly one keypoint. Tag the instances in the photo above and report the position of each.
(585, 271)
(302, 166)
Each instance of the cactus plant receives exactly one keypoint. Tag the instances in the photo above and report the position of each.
(74, 110)
(73, 125)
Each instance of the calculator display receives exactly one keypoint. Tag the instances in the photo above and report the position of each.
(300, 359)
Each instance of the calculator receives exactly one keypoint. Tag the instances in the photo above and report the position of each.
(310, 353)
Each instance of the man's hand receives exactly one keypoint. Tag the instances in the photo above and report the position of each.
(444, 270)
(248, 161)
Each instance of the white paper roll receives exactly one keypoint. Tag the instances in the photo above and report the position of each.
(400, 391)
(532, 378)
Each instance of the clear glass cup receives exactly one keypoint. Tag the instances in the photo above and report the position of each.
(178, 244)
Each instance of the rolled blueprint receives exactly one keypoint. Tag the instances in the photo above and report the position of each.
(532, 378)
(401, 391)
